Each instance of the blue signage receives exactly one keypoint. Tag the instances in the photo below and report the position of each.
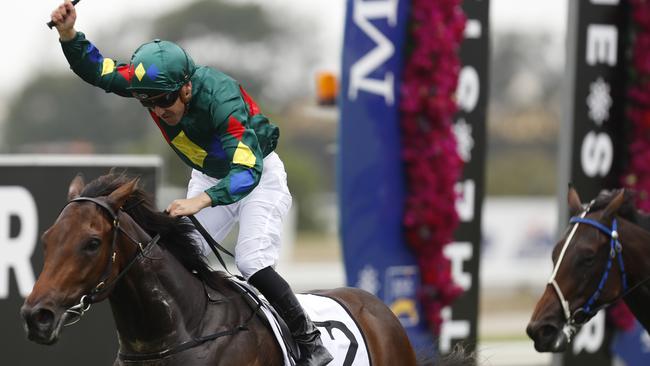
(371, 180)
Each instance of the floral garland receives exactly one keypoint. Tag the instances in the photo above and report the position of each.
(638, 105)
(637, 176)
(432, 163)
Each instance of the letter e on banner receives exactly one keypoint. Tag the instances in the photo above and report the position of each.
(602, 44)
(16, 249)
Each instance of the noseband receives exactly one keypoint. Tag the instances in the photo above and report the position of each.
(616, 252)
(99, 292)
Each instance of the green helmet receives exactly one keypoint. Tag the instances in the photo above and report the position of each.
(159, 67)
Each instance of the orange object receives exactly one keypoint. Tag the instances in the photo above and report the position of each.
(326, 88)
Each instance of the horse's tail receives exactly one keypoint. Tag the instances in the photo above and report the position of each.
(458, 357)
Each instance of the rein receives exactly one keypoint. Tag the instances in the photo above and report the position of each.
(586, 311)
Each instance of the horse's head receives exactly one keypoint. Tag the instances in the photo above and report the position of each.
(587, 273)
(78, 255)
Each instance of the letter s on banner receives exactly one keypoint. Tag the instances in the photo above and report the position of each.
(16, 252)
(596, 154)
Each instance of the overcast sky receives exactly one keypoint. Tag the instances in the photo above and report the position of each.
(29, 45)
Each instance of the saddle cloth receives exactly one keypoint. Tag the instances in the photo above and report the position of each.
(339, 332)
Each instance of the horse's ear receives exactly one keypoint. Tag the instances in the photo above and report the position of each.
(76, 186)
(117, 198)
(575, 204)
(613, 206)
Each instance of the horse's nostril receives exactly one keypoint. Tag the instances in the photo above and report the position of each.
(43, 317)
(541, 332)
(548, 331)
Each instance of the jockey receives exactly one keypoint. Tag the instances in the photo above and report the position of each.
(217, 129)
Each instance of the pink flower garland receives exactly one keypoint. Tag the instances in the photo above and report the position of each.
(637, 176)
(433, 165)
(638, 106)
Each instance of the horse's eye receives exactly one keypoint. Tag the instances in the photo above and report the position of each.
(92, 245)
(588, 261)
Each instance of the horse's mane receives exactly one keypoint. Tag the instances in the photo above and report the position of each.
(628, 209)
(176, 233)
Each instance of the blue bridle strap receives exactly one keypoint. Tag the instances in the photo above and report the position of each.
(615, 251)
(583, 220)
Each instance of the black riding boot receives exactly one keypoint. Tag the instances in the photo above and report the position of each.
(306, 335)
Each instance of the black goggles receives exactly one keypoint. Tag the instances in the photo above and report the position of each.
(162, 101)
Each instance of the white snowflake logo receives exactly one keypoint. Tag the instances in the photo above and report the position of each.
(599, 101)
(464, 139)
(368, 279)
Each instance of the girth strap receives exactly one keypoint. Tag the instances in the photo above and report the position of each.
(254, 303)
(194, 342)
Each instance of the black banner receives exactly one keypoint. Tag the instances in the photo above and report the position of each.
(599, 97)
(460, 321)
(592, 139)
(33, 189)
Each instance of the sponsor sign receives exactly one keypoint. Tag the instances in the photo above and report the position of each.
(371, 183)
(371, 180)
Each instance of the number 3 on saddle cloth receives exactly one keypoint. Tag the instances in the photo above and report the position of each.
(339, 332)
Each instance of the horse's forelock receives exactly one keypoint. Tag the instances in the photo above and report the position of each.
(627, 210)
(104, 185)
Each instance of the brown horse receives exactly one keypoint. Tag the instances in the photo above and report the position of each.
(602, 257)
(169, 307)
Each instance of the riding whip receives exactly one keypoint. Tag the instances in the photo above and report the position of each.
(51, 22)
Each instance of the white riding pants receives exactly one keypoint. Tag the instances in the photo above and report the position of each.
(260, 215)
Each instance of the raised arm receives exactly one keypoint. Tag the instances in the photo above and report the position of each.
(85, 59)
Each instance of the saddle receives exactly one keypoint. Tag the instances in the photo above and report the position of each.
(265, 312)
(340, 333)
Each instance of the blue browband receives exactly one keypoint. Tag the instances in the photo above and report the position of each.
(615, 251)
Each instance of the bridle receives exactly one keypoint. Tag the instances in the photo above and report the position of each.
(587, 311)
(100, 291)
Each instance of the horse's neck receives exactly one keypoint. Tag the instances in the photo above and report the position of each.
(157, 304)
(636, 253)
(638, 301)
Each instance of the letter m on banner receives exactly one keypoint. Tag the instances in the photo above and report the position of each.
(362, 75)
